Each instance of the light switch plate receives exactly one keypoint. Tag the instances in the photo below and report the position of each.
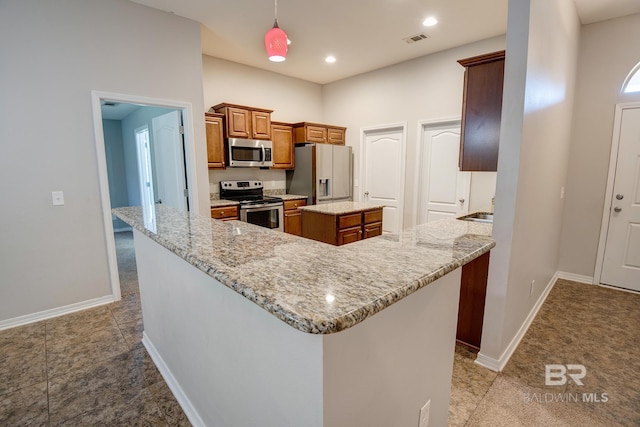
(57, 198)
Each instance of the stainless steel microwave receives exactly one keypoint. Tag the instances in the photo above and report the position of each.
(250, 153)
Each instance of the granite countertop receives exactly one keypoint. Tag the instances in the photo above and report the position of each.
(219, 203)
(292, 197)
(315, 287)
(340, 208)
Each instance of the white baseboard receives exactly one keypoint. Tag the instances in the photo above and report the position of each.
(574, 277)
(54, 312)
(183, 400)
(497, 365)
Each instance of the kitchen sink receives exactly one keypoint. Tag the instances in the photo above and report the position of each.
(478, 217)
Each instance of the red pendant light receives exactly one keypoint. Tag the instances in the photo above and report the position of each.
(276, 41)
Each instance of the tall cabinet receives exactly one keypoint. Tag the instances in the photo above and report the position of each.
(481, 111)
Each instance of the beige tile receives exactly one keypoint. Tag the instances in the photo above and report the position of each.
(81, 323)
(22, 357)
(83, 351)
(132, 332)
(107, 384)
(25, 407)
(141, 410)
(128, 309)
(169, 405)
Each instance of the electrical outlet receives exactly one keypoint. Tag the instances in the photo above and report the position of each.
(57, 198)
(424, 414)
(533, 283)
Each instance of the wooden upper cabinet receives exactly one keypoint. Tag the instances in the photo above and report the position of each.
(245, 122)
(260, 125)
(336, 135)
(215, 140)
(314, 132)
(283, 148)
(481, 111)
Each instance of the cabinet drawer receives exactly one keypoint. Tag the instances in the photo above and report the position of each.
(349, 235)
(226, 212)
(373, 216)
(372, 230)
(294, 204)
(351, 220)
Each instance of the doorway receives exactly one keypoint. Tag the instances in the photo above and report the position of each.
(443, 190)
(618, 262)
(382, 172)
(145, 156)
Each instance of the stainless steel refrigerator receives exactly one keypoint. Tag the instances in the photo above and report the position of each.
(323, 173)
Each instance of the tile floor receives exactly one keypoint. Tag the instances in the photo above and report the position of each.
(578, 324)
(87, 368)
(90, 368)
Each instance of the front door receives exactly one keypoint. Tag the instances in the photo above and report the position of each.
(621, 262)
(444, 190)
(383, 173)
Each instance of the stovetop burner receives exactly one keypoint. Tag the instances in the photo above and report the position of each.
(246, 193)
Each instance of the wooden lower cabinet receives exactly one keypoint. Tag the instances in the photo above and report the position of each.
(473, 291)
(341, 229)
(293, 216)
(225, 213)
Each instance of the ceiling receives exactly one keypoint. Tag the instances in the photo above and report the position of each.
(363, 35)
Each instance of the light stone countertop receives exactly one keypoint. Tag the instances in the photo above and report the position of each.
(219, 203)
(315, 287)
(292, 197)
(340, 208)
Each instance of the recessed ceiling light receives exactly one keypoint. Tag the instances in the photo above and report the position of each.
(430, 22)
(330, 59)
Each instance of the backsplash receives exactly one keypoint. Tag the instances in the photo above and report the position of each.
(274, 181)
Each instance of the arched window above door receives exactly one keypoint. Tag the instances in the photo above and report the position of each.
(632, 82)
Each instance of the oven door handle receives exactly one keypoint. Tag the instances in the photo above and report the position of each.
(261, 207)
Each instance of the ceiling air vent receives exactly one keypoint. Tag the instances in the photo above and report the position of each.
(416, 38)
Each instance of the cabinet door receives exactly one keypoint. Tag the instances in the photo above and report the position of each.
(293, 222)
(336, 136)
(238, 123)
(283, 148)
(349, 235)
(372, 230)
(316, 134)
(481, 111)
(215, 142)
(260, 125)
(473, 291)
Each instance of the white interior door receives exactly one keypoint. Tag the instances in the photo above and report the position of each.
(443, 189)
(169, 160)
(383, 169)
(621, 262)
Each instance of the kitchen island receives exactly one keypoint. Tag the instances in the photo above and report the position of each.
(251, 326)
(340, 223)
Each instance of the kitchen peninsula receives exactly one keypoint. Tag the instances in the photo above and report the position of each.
(251, 326)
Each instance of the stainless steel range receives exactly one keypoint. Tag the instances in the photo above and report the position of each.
(255, 207)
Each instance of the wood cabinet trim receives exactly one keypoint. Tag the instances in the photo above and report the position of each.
(482, 59)
(242, 107)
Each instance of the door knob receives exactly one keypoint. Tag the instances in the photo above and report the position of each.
(366, 194)
(619, 196)
(617, 209)
(461, 201)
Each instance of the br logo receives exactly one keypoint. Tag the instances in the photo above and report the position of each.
(557, 374)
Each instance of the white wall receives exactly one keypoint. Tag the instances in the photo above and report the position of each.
(483, 189)
(53, 54)
(534, 146)
(425, 88)
(608, 52)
